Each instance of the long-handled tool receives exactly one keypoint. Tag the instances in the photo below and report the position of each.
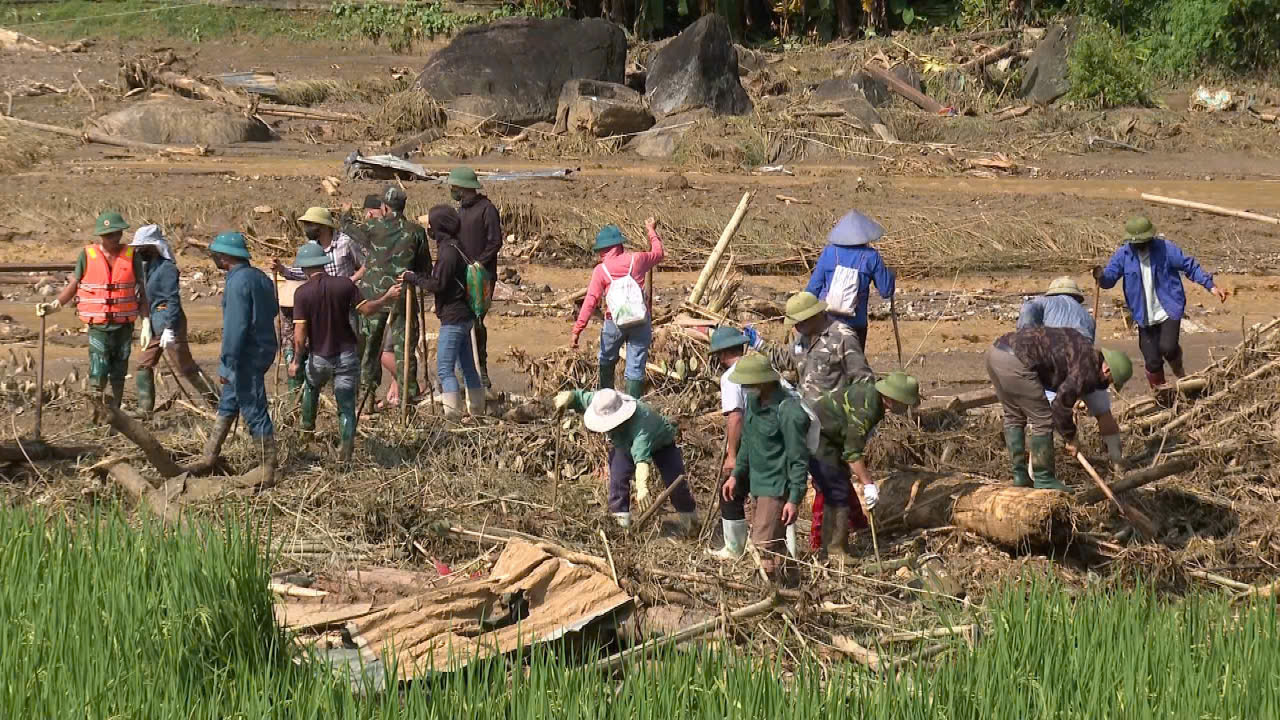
(275, 283)
(1135, 517)
(408, 350)
(871, 521)
(40, 382)
(167, 366)
(1097, 300)
(897, 337)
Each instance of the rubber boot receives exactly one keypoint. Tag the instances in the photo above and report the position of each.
(1175, 367)
(687, 523)
(269, 458)
(310, 406)
(735, 540)
(623, 519)
(346, 400)
(1156, 380)
(1015, 439)
(452, 402)
(117, 392)
(1042, 460)
(100, 391)
(836, 542)
(477, 401)
(202, 387)
(146, 379)
(217, 436)
(635, 388)
(606, 375)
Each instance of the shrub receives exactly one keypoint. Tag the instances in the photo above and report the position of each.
(1106, 68)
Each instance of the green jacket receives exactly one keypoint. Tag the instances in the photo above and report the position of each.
(642, 435)
(395, 245)
(848, 418)
(773, 455)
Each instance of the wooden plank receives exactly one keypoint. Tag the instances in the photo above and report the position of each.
(919, 99)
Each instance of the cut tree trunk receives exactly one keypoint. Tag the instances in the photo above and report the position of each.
(142, 437)
(153, 499)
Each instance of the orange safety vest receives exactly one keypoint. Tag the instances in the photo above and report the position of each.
(108, 293)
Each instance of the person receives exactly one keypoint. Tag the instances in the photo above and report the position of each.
(640, 438)
(847, 267)
(1022, 365)
(167, 318)
(480, 239)
(773, 459)
(249, 311)
(448, 282)
(346, 261)
(615, 263)
(848, 418)
(1062, 306)
(395, 244)
(108, 285)
(728, 345)
(826, 356)
(324, 339)
(1152, 269)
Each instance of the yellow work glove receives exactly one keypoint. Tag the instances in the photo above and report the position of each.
(144, 337)
(563, 399)
(48, 308)
(642, 481)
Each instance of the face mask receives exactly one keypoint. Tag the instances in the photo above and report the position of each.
(456, 194)
(753, 395)
(313, 234)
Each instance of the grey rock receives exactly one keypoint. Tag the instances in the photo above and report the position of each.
(1045, 76)
(699, 68)
(601, 109)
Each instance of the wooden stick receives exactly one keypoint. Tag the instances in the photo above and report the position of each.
(40, 379)
(138, 433)
(925, 634)
(1215, 209)
(756, 609)
(700, 287)
(291, 590)
(897, 337)
(609, 554)
(989, 57)
(658, 502)
(408, 350)
(37, 267)
(1130, 513)
(169, 366)
(1138, 478)
(1219, 580)
(922, 101)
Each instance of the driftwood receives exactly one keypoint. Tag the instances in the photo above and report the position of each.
(919, 99)
(142, 437)
(21, 452)
(152, 498)
(1013, 517)
(656, 507)
(37, 267)
(1215, 209)
(500, 535)
(1138, 478)
(101, 139)
(195, 88)
(700, 287)
(989, 57)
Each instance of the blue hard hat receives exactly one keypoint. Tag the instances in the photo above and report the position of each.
(231, 243)
(725, 338)
(608, 237)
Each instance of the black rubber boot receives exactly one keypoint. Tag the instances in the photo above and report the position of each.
(146, 380)
(606, 375)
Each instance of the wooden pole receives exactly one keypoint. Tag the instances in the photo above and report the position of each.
(700, 287)
(753, 610)
(897, 337)
(408, 350)
(1132, 514)
(275, 283)
(658, 502)
(1204, 207)
(1097, 301)
(40, 380)
(1138, 478)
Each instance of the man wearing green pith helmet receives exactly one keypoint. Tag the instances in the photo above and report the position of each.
(480, 240)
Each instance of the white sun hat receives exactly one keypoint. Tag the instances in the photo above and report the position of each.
(608, 409)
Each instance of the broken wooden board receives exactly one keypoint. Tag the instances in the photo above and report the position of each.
(530, 597)
(315, 617)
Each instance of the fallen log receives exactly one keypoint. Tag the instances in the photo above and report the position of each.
(142, 437)
(101, 139)
(919, 99)
(1016, 518)
(37, 267)
(700, 287)
(989, 57)
(1138, 478)
(1214, 209)
(153, 499)
(197, 89)
(36, 451)
(500, 535)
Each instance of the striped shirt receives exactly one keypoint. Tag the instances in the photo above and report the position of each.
(346, 256)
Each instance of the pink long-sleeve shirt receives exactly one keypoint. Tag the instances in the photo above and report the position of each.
(616, 261)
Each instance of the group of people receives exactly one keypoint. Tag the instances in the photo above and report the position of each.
(339, 321)
(344, 322)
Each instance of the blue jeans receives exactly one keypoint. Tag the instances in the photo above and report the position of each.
(343, 369)
(455, 351)
(670, 464)
(638, 338)
(245, 394)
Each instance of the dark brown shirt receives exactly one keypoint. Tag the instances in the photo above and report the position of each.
(480, 236)
(325, 303)
(1065, 362)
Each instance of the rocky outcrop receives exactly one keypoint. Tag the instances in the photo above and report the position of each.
(1045, 76)
(663, 139)
(178, 121)
(699, 68)
(601, 109)
(511, 71)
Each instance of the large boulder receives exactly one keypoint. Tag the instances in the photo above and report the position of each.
(601, 109)
(854, 84)
(663, 139)
(512, 70)
(699, 68)
(177, 121)
(1045, 77)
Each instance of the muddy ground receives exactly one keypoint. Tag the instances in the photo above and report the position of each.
(969, 244)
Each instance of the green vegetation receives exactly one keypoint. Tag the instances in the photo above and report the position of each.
(142, 20)
(1106, 68)
(401, 26)
(106, 620)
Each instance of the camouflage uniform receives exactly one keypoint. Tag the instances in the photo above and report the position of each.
(395, 244)
(824, 363)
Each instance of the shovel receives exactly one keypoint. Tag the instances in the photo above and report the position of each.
(1135, 517)
(40, 382)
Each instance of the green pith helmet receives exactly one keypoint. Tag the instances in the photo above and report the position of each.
(1064, 286)
(753, 369)
(1120, 364)
(802, 306)
(608, 237)
(464, 177)
(901, 387)
(1138, 229)
(109, 222)
(231, 244)
(726, 338)
(311, 255)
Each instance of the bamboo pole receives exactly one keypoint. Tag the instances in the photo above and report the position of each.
(408, 350)
(700, 287)
(99, 138)
(1205, 207)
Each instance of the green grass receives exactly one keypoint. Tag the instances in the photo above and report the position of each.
(104, 620)
(139, 20)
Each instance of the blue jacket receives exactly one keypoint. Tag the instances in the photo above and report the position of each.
(248, 322)
(163, 294)
(1167, 261)
(1060, 311)
(866, 260)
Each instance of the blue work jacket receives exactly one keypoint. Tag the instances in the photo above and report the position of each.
(163, 294)
(1168, 264)
(249, 311)
(866, 260)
